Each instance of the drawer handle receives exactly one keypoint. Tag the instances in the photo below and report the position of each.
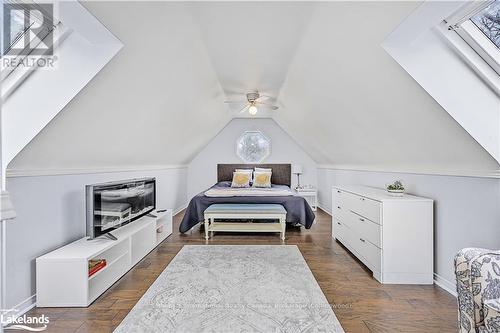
(339, 207)
(362, 219)
(361, 239)
(362, 199)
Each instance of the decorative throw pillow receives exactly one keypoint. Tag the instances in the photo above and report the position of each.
(241, 179)
(262, 170)
(247, 170)
(262, 179)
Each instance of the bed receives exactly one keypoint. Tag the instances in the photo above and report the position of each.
(298, 210)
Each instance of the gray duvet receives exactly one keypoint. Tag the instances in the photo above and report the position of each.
(298, 210)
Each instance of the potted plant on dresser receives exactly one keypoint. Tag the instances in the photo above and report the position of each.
(396, 189)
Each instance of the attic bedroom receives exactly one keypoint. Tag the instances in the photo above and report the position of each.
(250, 166)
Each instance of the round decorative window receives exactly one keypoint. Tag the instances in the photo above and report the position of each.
(253, 147)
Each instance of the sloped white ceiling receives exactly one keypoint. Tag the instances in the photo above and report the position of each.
(342, 97)
(351, 105)
(251, 45)
(87, 46)
(157, 102)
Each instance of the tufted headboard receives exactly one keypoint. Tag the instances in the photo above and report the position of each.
(282, 173)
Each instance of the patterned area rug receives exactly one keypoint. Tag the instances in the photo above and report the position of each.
(232, 288)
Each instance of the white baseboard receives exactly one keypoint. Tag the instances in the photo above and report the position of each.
(21, 308)
(445, 284)
(179, 209)
(322, 207)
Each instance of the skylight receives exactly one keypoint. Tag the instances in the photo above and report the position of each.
(28, 43)
(17, 28)
(488, 21)
(478, 24)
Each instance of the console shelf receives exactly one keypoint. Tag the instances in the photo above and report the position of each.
(122, 257)
(62, 275)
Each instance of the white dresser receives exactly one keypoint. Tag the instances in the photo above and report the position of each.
(392, 236)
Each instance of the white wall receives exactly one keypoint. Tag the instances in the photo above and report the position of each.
(202, 171)
(466, 209)
(51, 213)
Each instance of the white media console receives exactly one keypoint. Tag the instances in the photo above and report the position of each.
(62, 275)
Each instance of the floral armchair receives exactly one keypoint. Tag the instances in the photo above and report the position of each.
(478, 286)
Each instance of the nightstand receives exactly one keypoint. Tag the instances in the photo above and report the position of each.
(311, 196)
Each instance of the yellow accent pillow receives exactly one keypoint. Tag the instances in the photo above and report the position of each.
(262, 179)
(241, 179)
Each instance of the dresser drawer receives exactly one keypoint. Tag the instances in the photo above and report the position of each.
(339, 210)
(371, 253)
(339, 230)
(338, 203)
(337, 194)
(366, 229)
(365, 207)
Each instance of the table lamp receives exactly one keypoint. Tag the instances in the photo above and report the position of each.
(297, 170)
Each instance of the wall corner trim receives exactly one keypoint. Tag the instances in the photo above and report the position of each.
(432, 172)
(180, 209)
(448, 286)
(21, 308)
(12, 173)
(323, 208)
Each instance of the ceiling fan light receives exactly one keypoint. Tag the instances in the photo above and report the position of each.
(252, 110)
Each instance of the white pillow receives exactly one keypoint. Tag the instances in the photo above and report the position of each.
(241, 179)
(262, 179)
(250, 171)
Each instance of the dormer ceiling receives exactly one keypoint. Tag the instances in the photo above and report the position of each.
(341, 96)
(251, 45)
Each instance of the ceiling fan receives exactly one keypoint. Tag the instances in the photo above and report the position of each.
(254, 102)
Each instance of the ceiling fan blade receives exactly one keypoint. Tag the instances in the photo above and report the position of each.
(266, 105)
(244, 109)
(266, 97)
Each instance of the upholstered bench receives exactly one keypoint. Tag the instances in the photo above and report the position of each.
(245, 212)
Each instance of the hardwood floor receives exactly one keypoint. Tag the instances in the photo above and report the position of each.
(360, 302)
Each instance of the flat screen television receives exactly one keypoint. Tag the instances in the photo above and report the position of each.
(112, 205)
